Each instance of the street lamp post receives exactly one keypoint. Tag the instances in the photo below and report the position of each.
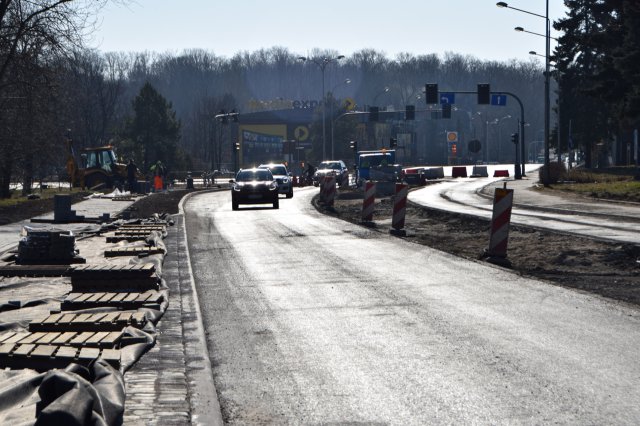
(322, 64)
(346, 81)
(372, 127)
(522, 30)
(499, 149)
(385, 90)
(547, 107)
(493, 122)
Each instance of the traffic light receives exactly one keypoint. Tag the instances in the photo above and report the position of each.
(446, 110)
(374, 113)
(410, 112)
(484, 94)
(393, 142)
(515, 137)
(431, 93)
(237, 146)
(454, 149)
(353, 145)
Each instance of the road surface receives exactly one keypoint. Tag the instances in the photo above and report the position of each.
(314, 320)
(606, 221)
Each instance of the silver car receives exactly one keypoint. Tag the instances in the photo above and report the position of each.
(282, 176)
(335, 168)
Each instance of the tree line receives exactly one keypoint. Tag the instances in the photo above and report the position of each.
(596, 66)
(161, 106)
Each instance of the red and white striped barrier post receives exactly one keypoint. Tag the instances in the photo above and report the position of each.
(500, 220)
(399, 209)
(322, 191)
(369, 201)
(329, 190)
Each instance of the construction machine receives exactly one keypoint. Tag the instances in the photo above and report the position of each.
(98, 168)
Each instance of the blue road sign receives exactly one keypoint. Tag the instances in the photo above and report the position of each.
(499, 100)
(447, 98)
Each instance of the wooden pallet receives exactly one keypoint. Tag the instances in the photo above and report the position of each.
(34, 270)
(48, 261)
(110, 321)
(143, 228)
(113, 271)
(46, 357)
(136, 232)
(92, 339)
(126, 300)
(127, 237)
(79, 285)
(114, 278)
(133, 251)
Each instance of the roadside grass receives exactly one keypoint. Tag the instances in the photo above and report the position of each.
(614, 183)
(17, 198)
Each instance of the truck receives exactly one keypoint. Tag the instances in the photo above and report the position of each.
(378, 165)
(98, 168)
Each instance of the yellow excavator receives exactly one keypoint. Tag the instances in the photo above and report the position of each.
(98, 168)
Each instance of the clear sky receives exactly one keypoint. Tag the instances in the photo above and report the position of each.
(474, 27)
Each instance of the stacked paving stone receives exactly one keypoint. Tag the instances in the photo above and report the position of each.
(50, 247)
(60, 338)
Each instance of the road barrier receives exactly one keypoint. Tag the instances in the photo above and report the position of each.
(328, 190)
(501, 173)
(434, 173)
(458, 171)
(369, 201)
(500, 220)
(479, 171)
(399, 209)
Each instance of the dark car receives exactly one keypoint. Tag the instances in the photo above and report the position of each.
(254, 186)
(336, 168)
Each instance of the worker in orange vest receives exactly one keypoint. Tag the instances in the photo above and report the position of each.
(158, 175)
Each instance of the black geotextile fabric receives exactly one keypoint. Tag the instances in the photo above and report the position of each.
(81, 396)
(77, 395)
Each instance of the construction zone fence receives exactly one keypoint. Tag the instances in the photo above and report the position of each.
(199, 178)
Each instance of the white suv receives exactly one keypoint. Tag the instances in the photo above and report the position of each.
(282, 176)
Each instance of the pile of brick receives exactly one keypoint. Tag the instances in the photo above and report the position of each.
(47, 247)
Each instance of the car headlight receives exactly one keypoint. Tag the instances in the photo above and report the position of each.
(236, 187)
(285, 180)
(273, 186)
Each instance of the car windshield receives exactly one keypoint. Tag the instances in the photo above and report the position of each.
(376, 160)
(330, 165)
(251, 175)
(278, 170)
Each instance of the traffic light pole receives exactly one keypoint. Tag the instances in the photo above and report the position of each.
(519, 168)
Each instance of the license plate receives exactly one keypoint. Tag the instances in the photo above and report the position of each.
(255, 196)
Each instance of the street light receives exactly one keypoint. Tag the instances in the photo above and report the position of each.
(322, 64)
(522, 30)
(493, 122)
(547, 107)
(534, 53)
(371, 128)
(346, 81)
(385, 90)
(506, 117)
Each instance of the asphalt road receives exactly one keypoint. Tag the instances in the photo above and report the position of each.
(608, 221)
(311, 320)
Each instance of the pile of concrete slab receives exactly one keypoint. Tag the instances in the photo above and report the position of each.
(53, 246)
